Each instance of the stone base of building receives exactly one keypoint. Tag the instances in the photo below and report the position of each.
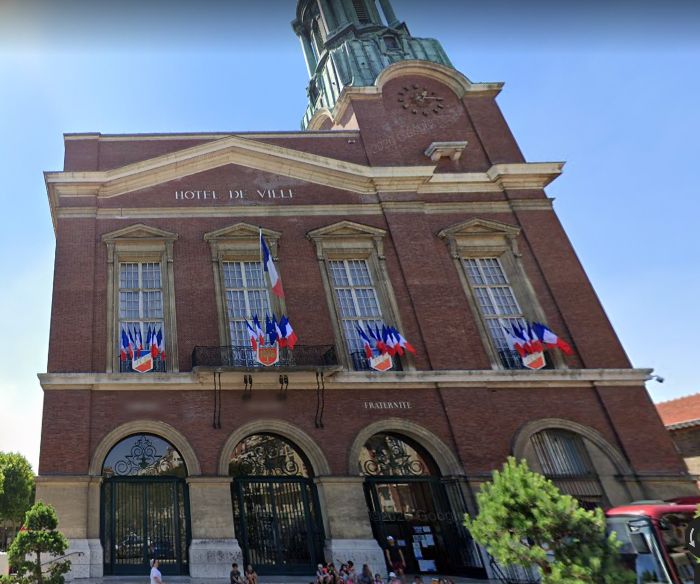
(86, 559)
(360, 551)
(212, 558)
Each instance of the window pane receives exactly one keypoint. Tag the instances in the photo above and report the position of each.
(493, 273)
(150, 276)
(235, 304)
(339, 275)
(346, 303)
(254, 275)
(128, 305)
(367, 302)
(359, 273)
(473, 273)
(484, 301)
(129, 276)
(505, 301)
(233, 275)
(152, 304)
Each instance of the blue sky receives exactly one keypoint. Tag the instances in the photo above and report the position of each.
(609, 87)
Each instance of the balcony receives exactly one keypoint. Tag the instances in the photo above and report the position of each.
(302, 358)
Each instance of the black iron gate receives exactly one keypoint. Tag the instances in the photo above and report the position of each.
(144, 518)
(278, 524)
(425, 517)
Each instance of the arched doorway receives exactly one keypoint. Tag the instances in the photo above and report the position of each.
(275, 503)
(145, 507)
(410, 501)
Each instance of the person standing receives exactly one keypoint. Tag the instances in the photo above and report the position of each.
(394, 558)
(156, 576)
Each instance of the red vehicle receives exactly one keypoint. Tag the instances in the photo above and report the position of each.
(653, 539)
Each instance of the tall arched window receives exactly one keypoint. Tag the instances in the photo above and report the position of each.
(565, 460)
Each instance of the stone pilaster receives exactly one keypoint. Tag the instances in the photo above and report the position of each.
(214, 547)
(347, 525)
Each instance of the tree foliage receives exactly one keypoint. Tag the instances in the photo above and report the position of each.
(16, 486)
(525, 520)
(39, 535)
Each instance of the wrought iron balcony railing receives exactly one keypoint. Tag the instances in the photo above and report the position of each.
(306, 357)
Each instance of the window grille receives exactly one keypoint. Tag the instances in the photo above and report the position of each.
(497, 304)
(141, 307)
(356, 299)
(247, 295)
(566, 462)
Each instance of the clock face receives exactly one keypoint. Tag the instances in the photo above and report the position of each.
(419, 100)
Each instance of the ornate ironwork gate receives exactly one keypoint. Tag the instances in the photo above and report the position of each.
(275, 506)
(424, 513)
(277, 524)
(145, 518)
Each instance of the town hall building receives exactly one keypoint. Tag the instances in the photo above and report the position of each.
(442, 323)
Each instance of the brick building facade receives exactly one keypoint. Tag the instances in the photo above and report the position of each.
(681, 416)
(405, 200)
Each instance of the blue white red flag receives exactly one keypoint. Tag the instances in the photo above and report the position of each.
(550, 339)
(258, 330)
(124, 347)
(270, 268)
(160, 340)
(290, 337)
(367, 344)
(253, 336)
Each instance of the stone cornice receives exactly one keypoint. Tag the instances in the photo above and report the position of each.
(202, 379)
(293, 164)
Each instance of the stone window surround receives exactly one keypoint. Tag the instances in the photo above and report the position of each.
(482, 238)
(347, 240)
(238, 243)
(140, 243)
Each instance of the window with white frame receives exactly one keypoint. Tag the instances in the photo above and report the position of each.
(357, 302)
(497, 304)
(246, 295)
(141, 316)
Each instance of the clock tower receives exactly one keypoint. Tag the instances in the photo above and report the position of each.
(350, 42)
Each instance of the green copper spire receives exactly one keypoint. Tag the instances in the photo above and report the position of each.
(350, 42)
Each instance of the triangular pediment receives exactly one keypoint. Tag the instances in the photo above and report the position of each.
(346, 229)
(240, 231)
(480, 227)
(139, 232)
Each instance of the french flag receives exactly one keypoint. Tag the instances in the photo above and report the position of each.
(288, 333)
(403, 343)
(366, 342)
(124, 347)
(258, 330)
(160, 341)
(550, 339)
(253, 336)
(269, 266)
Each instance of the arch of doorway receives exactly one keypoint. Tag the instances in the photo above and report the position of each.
(444, 457)
(160, 429)
(299, 438)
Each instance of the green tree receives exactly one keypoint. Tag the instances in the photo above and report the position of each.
(38, 536)
(525, 520)
(16, 486)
